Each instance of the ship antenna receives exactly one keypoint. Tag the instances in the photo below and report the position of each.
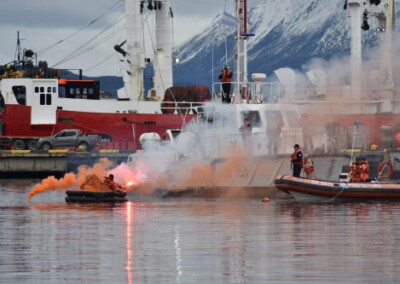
(18, 49)
(18, 46)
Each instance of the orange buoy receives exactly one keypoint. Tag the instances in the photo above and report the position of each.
(265, 199)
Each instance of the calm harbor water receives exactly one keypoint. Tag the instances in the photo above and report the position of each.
(180, 240)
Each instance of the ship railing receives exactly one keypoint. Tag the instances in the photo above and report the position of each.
(250, 92)
(41, 72)
(168, 107)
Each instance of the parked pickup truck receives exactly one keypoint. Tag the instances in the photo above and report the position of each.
(69, 138)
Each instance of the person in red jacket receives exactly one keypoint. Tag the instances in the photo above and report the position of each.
(355, 170)
(226, 79)
(297, 160)
(114, 186)
(364, 176)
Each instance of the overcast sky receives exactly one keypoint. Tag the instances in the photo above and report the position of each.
(42, 23)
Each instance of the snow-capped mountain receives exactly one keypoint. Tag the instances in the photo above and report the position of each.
(288, 33)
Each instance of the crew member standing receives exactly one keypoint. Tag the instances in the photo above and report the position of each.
(355, 170)
(309, 167)
(297, 160)
(226, 79)
(364, 175)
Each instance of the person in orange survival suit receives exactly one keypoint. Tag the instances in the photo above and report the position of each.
(355, 170)
(308, 165)
(397, 140)
(114, 186)
(364, 172)
(297, 160)
(226, 79)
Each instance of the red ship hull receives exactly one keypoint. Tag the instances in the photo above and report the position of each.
(122, 127)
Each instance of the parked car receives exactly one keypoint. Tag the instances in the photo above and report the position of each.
(69, 138)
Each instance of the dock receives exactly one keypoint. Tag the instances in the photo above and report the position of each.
(24, 163)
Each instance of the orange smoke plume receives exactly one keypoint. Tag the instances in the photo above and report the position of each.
(51, 183)
(100, 169)
(70, 179)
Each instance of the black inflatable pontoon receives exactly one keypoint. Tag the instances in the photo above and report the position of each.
(90, 196)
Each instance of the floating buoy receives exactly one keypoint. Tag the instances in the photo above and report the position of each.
(380, 169)
(265, 199)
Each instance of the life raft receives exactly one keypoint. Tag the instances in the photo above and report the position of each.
(94, 190)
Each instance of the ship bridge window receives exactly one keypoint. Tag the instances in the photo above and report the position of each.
(45, 99)
(293, 119)
(82, 90)
(48, 99)
(1, 102)
(253, 117)
(20, 94)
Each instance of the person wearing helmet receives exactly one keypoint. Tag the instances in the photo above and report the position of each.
(297, 161)
(226, 79)
(308, 166)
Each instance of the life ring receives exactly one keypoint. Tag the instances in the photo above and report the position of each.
(382, 165)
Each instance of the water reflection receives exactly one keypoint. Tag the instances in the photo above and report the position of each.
(196, 241)
(129, 252)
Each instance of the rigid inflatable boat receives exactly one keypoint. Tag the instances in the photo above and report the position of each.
(308, 189)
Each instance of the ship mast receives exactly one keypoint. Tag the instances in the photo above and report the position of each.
(241, 42)
(162, 63)
(360, 12)
(388, 42)
(356, 53)
(134, 56)
(134, 59)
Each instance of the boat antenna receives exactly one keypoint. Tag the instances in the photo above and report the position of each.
(226, 39)
(356, 125)
(18, 47)
(18, 50)
(226, 51)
